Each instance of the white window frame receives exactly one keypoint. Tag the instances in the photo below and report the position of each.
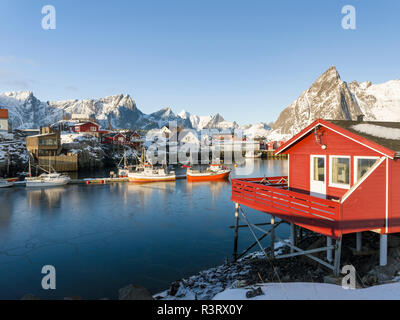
(338, 185)
(312, 156)
(356, 158)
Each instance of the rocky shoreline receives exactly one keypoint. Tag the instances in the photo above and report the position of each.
(254, 269)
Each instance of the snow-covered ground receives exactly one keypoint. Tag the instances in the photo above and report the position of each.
(313, 291)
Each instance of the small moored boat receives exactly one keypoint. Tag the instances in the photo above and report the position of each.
(4, 183)
(47, 180)
(148, 174)
(213, 172)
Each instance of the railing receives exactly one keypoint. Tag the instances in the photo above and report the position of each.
(273, 196)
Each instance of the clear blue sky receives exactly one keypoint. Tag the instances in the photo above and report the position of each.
(245, 59)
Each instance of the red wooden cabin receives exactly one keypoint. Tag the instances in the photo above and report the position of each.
(343, 178)
(89, 126)
(270, 146)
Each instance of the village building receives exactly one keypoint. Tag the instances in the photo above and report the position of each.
(45, 150)
(46, 143)
(129, 138)
(342, 179)
(4, 121)
(86, 127)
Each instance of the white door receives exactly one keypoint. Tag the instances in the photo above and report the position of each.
(318, 176)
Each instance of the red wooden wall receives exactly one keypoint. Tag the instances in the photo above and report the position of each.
(365, 208)
(337, 144)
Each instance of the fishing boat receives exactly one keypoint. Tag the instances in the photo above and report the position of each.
(150, 174)
(4, 183)
(48, 179)
(252, 154)
(213, 172)
(123, 170)
(145, 172)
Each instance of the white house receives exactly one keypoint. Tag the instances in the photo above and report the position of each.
(189, 137)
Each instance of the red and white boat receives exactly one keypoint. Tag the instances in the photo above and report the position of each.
(213, 172)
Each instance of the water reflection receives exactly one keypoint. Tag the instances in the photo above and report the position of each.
(6, 208)
(150, 234)
(45, 198)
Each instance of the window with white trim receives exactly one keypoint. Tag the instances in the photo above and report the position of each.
(339, 171)
(362, 165)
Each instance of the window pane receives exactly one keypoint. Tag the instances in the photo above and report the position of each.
(363, 165)
(319, 169)
(341, 171)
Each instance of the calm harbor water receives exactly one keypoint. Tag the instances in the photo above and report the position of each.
(103, 237)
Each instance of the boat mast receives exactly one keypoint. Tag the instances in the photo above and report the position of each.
(29, 165)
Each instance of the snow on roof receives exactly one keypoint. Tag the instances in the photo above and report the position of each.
(378, 131)
(43, 135)
(81, 124)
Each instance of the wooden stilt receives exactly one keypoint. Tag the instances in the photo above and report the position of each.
(338, 252)
(292, 236)
(358, 241)
(300, 233)
(329, 252)
(235, 245)
(272, 237)
(383, 250)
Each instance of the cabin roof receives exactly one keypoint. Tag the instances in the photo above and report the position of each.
(3, 113)
(87, 122)
(375, 131)
(380, 136)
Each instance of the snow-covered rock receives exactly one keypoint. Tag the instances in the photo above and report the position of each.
(259, 130)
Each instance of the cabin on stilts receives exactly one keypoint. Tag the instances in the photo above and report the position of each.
(343, 178)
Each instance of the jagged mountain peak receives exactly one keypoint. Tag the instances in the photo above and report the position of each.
(330, 97)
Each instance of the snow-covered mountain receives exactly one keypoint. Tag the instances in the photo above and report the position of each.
(330, 97)
(26, 111)
(254, 131)
(118, 111)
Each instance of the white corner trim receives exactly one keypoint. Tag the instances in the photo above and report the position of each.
(387, 195)
(369, 172)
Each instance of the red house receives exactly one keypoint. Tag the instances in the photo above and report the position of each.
(89, 127)
(344, 178)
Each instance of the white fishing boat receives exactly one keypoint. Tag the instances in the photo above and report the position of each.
(47, 180)
(150, 174)
(5, 183)
(252, 154)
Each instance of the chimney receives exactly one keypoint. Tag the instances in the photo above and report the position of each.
(360, 118)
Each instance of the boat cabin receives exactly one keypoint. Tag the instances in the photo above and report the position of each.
(343, 177)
